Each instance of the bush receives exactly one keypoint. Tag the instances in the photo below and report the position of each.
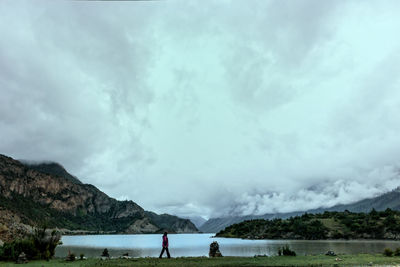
(388, 252)
(81, 256)
(397, 252)
(40, 245)
(46, 242)
(286, 251)
(11, 250)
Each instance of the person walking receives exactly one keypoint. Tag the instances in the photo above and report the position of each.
(165, 245)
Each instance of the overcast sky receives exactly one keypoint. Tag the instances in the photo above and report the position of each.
(207, 107)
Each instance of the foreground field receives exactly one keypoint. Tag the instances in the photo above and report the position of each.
(318, 260)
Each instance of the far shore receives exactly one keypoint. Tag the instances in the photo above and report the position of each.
(65, 232)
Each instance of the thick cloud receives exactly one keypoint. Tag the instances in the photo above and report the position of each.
(223, 107)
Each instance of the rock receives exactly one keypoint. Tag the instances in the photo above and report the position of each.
(22, 258)
(330, 253)
(105, 253)
(125, 256)
(214, 250)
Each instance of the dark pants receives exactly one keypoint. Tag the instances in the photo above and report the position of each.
(162, 252)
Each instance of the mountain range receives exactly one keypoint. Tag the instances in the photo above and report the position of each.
(388, 200)
(33, 194)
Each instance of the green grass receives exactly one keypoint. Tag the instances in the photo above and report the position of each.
(318, 260)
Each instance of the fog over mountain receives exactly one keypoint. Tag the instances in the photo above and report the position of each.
(207, 108)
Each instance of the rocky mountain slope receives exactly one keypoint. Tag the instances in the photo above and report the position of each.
(35, 195)
(196, 220)
(52, 168)
(388, 200)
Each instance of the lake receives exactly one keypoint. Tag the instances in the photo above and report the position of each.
(198, 245)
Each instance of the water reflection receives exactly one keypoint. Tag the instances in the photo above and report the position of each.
(198, 245)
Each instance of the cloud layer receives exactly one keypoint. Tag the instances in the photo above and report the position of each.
(193, 108)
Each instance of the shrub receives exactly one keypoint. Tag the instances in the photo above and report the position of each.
(81, 256)
(388, 252)
(11, 250)
(7, 252)
(40, 245)
(286, 251)
(46, 242)
(397, 252)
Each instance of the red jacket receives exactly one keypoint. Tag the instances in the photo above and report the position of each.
(165, 241)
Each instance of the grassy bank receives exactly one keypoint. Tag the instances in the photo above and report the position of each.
(318, 260)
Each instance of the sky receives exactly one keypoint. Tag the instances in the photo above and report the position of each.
(208, 108)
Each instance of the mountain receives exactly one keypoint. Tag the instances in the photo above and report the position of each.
(46, 193)
(196, 220)
(388, 200)
(166, 221)
(52, 168)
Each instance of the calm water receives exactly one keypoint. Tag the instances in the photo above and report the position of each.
(198, 245)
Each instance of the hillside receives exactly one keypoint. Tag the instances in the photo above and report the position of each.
(389, 200)
(196, 220)
(30, 197)
(214, 225)
(52, 168)
(328, 225)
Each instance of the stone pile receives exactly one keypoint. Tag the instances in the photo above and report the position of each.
(214, 250)
(22, 258)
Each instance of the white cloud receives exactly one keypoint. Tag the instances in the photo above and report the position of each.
(206, 108)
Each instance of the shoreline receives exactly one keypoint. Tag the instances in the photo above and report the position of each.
(308, 260)
(314, 240)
